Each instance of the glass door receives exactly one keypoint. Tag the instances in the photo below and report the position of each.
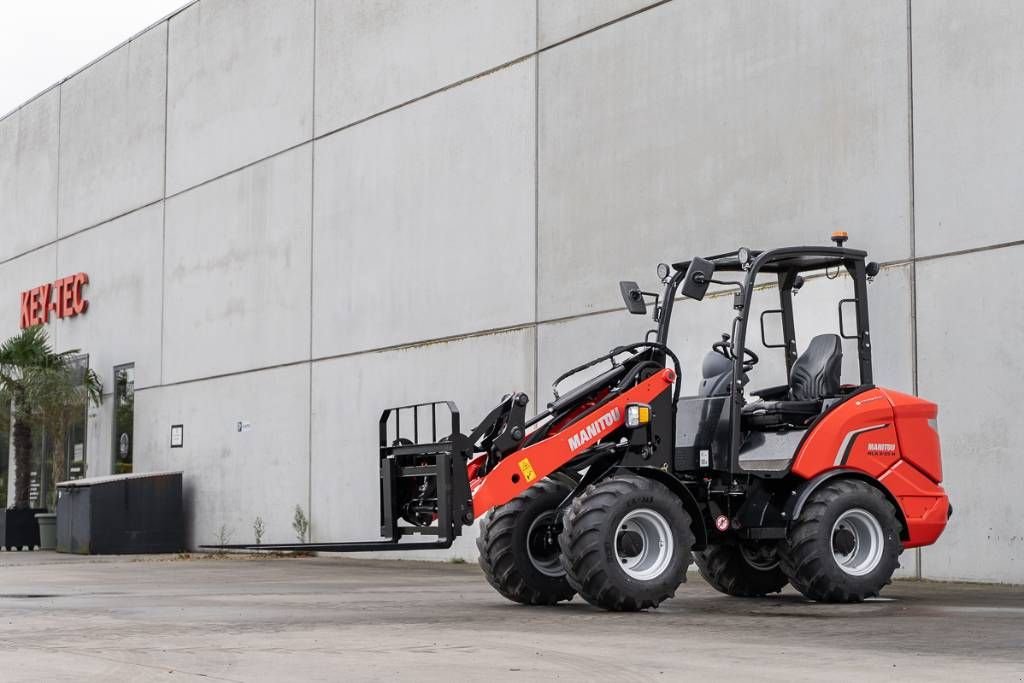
(124, 417)
(52, 462)
(75, 439)
(5, 453)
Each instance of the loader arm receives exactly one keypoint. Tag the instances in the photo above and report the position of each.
(520, 469)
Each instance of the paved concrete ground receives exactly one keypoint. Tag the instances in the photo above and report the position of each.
(340, 619)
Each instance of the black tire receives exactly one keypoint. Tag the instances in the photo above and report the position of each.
(509, 562)
(741, 571)
(593, 536)
(821, 552)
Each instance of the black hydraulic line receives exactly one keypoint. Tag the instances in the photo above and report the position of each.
(538, 417)
(619, 350)
(580, 368)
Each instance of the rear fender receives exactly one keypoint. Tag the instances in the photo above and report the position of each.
(795, 504)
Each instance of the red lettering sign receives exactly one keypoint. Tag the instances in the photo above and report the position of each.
(63, 298)
(26, 315)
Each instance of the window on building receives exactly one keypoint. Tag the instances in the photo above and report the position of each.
(124, 418)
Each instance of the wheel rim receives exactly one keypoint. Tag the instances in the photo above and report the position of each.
(857, 542)
(644, 544)
(761, 557)
(542, 545)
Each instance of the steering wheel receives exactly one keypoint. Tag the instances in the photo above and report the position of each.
(724, 348)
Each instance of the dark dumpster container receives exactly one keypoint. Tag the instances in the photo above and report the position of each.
(121, 514)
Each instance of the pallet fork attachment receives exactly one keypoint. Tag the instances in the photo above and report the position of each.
(439, 484)
(423, 481)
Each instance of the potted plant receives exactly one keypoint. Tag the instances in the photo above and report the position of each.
(18, 356)
(58, 394)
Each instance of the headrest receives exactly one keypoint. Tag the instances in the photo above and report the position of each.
(714, 365)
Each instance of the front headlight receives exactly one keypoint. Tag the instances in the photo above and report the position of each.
(637, 414)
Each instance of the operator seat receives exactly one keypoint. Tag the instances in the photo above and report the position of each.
(716, 376)
(715, 385)
(813, 378)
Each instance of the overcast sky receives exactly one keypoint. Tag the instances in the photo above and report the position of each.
(42, 41)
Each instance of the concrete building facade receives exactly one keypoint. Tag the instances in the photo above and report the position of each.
(295, 214)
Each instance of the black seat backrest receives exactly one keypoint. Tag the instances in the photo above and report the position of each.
(815, 373)
(717, 374)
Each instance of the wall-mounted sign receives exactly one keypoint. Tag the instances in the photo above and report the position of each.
(63, 298)
(177, 436)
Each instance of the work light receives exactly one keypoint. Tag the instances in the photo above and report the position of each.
(637, 414)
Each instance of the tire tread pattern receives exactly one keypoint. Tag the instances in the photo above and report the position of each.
(498, 552)
(724, 567)
(808, 566)
(582, 542)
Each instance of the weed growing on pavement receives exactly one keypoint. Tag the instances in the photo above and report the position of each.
(224, 535)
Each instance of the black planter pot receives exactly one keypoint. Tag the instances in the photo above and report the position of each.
(19, 529)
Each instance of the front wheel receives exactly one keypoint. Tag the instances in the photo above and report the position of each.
(845, 545)
(626, 543)
(518, 546)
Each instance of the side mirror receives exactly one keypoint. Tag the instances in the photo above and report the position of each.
(698, 277)
(776, 325)
(633, 297)
(843, 308)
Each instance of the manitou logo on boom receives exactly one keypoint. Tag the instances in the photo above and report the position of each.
(63, 298)
(590, 432)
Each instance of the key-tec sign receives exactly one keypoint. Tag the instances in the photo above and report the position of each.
(63, 299)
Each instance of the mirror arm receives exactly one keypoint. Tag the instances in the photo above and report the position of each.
(657, 304)
(737, 285)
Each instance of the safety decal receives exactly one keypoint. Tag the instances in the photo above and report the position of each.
(527, 469)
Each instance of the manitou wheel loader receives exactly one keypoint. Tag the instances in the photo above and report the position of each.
(611, 489)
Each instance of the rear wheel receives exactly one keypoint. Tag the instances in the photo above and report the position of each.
(743, 570)
(845, 545)
(518, 546)
(626, 543)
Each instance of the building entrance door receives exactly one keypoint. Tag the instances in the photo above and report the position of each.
(124, 417)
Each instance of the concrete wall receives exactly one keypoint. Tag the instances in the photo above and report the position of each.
(296, 214)
(969, 195)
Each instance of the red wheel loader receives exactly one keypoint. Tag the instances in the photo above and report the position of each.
(621, 481)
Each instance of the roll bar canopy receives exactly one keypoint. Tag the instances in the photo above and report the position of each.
(786, 259)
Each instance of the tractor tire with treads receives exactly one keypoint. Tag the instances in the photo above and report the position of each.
(519, 550)
(626, 543)
(845, 544)
(740, 572)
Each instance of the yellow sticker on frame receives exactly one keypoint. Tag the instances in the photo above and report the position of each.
(527, 469)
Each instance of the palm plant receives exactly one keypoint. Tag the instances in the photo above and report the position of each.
(58, 395)
(46, 390)
(19, 355)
